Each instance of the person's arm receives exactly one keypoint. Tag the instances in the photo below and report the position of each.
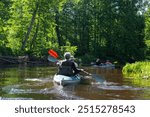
(77, 70)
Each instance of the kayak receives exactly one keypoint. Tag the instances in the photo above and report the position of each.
(66, 80)
(105, 66)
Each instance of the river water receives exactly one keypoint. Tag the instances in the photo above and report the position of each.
(36, 83)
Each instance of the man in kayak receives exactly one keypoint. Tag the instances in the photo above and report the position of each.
(68, 67)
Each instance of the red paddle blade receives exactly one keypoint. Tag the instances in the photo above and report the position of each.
(53, 53)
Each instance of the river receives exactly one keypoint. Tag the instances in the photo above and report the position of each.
(36, 83)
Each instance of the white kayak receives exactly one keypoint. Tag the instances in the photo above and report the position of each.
(65, 80)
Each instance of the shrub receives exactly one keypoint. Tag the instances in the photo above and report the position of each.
(137, 70)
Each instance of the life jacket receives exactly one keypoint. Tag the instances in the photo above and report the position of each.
(66, 68)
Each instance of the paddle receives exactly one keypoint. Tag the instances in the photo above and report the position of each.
(96, 77)
(53, 53)
(86, 72)
(52, 59)
(52, 56)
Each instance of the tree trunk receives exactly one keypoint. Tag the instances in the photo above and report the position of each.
(57, 28)
(34, 37)
(29, 28)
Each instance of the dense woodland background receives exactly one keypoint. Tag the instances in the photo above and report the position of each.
(118, 30)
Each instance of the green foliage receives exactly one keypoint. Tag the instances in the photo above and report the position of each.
(31, 28)
(137, 70)
(87, 58)
(68, 48)
(4, 15)
(102, 28)
(108, 29)
(147, 33)
(148, 49)
(142, 83)
(147, 24)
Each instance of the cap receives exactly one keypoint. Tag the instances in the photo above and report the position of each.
(67, 55)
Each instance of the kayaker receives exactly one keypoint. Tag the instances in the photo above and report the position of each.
(98, 62)
(68, 67)
(108, 62)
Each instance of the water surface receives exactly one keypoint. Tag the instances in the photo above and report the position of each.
(36, 83)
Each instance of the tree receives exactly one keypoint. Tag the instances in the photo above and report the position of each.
(108, 29)
(31, 28)
(123, 30)
(4, 16)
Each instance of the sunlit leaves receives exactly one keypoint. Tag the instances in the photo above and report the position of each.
(139, 72)
(43, 26)
(104, 28)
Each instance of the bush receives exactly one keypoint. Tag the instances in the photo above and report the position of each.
(87, 58)
(137, 70)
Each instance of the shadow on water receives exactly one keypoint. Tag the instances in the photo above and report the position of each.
(36, 83)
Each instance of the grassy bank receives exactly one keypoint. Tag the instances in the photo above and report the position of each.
(137, 70)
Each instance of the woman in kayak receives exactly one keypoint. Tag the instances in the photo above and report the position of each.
(68, 67)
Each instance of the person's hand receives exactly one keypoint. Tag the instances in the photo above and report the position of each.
(82, 70)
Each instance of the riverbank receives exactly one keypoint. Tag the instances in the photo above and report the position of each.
(27, 60)
(24, 60)
(137, 70)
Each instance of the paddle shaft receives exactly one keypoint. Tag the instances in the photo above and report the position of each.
(86, 72)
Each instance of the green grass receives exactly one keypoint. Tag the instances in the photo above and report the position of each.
(137, 70)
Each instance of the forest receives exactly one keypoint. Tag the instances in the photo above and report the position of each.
(118, 30)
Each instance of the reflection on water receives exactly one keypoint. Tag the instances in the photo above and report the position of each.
(32, 83)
